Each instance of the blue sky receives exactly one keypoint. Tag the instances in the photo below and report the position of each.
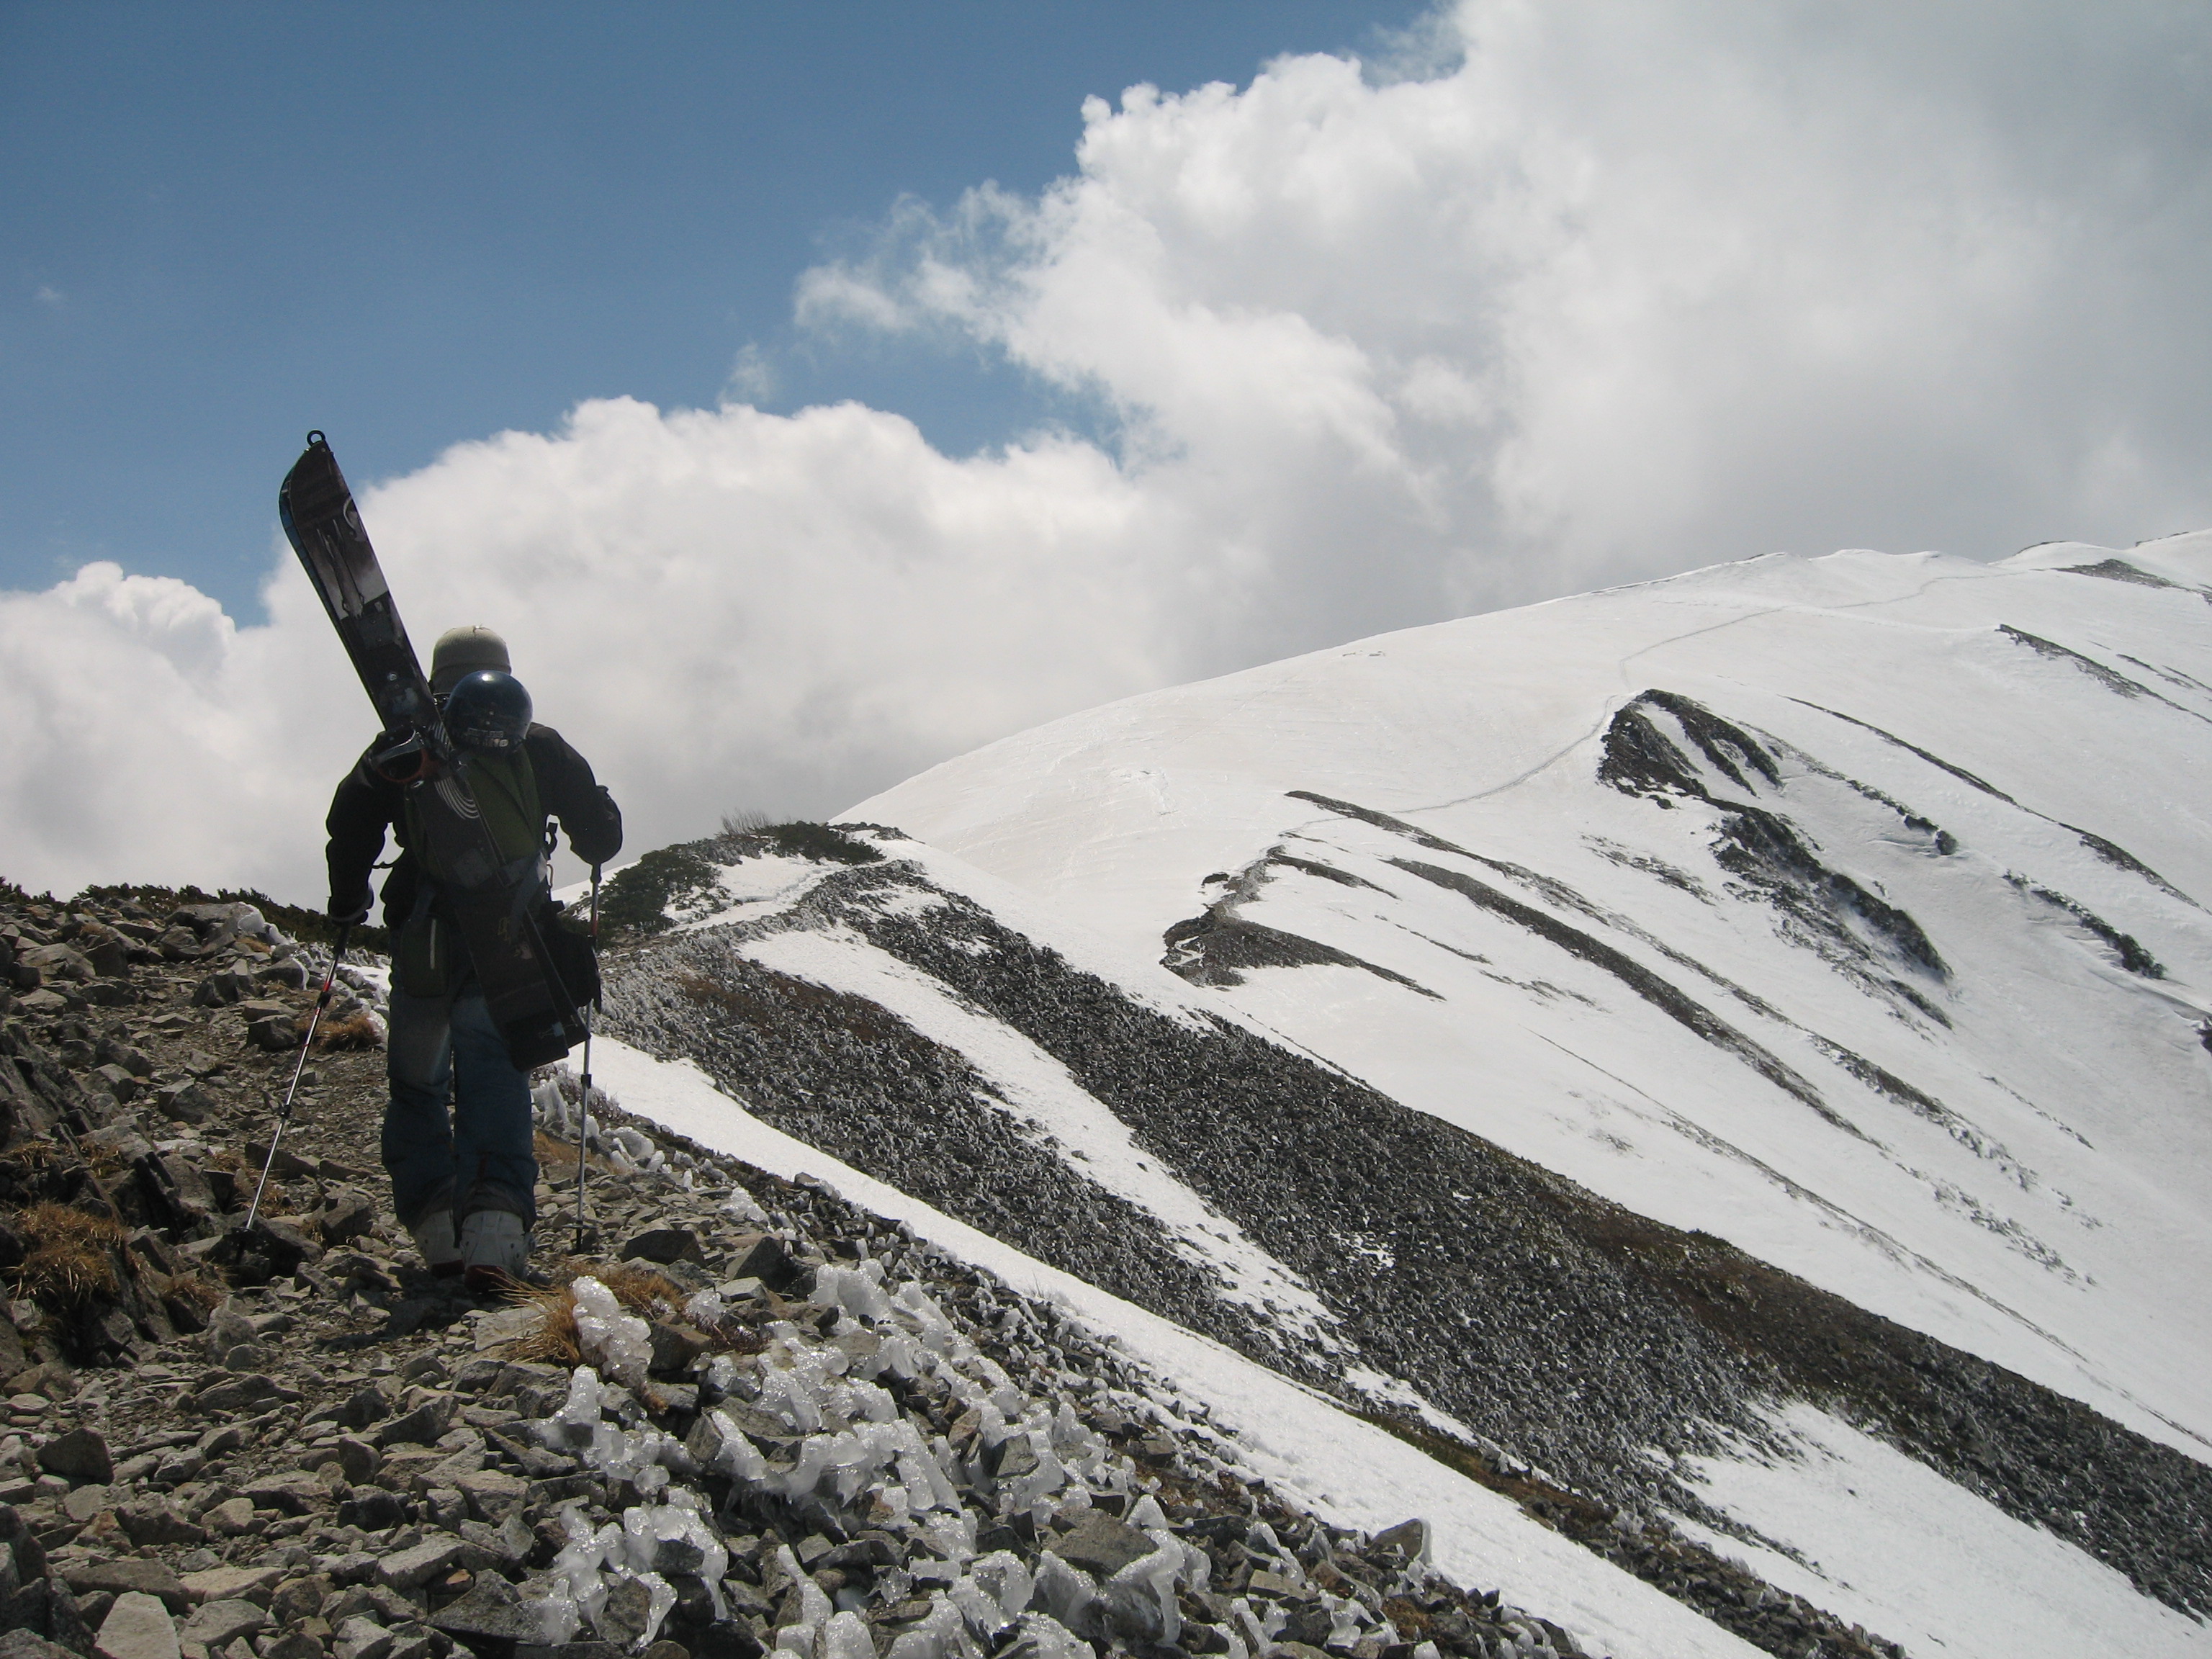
(413, 225)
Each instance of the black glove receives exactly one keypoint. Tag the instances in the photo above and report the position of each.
(353, 912)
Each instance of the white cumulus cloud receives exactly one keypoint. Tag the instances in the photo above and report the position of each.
(1575, 294)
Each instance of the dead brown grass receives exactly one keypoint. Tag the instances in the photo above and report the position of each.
(104, 1161)
(69, 1257)
(639, 1289)
(354, 1031)
(556, 1153)
(555, 1340)
(196, 1291)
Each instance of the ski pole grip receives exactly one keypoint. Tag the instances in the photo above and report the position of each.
(338, 955)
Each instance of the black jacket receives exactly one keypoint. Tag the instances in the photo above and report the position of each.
(365, 805)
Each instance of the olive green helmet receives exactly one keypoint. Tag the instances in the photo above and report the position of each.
(464, 651)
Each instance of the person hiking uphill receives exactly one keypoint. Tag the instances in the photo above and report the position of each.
(464, 1187)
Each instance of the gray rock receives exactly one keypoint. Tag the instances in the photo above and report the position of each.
(491, 1608)
(80, 1455)
(288, 1491)
(256, 1584)
(68, 1621)
(623, 1618)
(423, 1426)
(136, 1627)
(358, 1637)
(1409, 1538)
(420, 1642)
(357, 1459)
(57, 962)
(128, 1574)
(155, 1520)
(218, 1624)
(185, 1102)
(294, 1644)
(1099, 1545)
(367, 1405)
(220, 990)
(347, 1213)
(372, 1511)
(663, 1245)
(412, 1569)
(24, 1644)
(85, 1502)
(237, 1393)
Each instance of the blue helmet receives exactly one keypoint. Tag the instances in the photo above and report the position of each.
(488, 711)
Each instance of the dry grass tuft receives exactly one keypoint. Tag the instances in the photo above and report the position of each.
(196, 1291)
(103, 1160)
(553, 1152)
(69, 1260)
(641, 1289)
(35, 1154)
(355, 1030)
(555, 1340)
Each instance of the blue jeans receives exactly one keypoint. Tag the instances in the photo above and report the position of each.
(482, 1159)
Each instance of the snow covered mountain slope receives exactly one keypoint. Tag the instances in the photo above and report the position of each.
(1736, 1044)
(1851, 909)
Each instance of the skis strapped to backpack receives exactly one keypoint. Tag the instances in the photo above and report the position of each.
(496, 913)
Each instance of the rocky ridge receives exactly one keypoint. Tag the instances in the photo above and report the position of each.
(762, 1420)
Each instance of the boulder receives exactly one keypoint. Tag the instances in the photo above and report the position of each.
(347, 1213)
(127, 1575)
(136, 1627)
(1099, 1545)
(287, 1492)
(420, 1427)
(24, 1644)
(79, 1455)
(218, 1624)
(154, 1519)
(761, 1256)
(410, 1568)
(361, 1637)
(231, 1517)
(492, 1609)
(492, 1493)
(663, 1245)
(183, 1102)
(236, 1394)
(57, 962)
(254, 1585)
(624, 1614)
(372, 1510)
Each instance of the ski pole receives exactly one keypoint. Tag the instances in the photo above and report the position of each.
(284, 1114)
(584, 1099)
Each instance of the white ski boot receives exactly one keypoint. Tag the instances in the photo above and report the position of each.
(494, 1249)
(434, 1242)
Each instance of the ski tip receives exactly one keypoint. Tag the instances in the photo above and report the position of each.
(316, 440)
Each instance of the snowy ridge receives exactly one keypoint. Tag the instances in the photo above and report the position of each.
(1737, 1043)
